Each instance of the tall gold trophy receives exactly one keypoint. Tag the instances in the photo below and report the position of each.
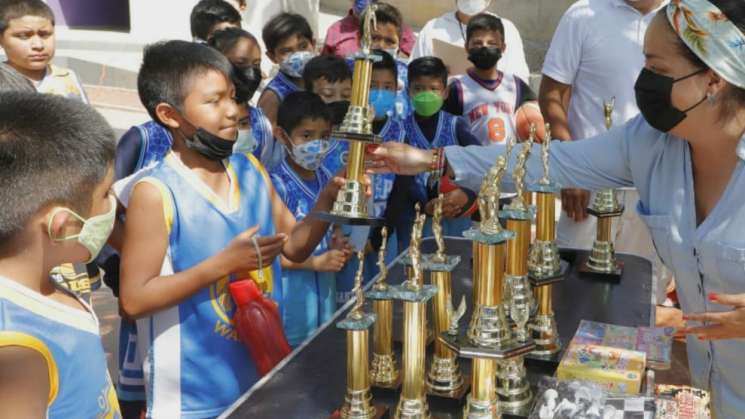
(358, 400)
(412, 403)
(383, 369)
(544, 265)
(602, 261)
(489, 337)
(351, 202)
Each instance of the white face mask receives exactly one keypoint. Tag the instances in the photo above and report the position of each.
(472, 7)
(95, 231)
(311, 154)
(392, 51)
(246, 142)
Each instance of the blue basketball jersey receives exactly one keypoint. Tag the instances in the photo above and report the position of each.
(195, 366)
(69, 341)
(269, 151)
(308, 296)
(156, 143)
(282, 86)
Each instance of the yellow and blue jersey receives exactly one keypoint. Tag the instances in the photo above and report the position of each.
(62, 82)
(193, 362)
(69, 341)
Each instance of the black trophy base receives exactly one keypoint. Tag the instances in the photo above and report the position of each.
(551, 279)
(394, 385)
(345, 220)
(598, 214)
(458, 395)
(380, 412)
(585, 272)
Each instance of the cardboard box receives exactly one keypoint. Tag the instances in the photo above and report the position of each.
(619, 371)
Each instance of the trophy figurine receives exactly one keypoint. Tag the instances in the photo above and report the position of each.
(413, 401)
(544, 265)
(444, 378)
(351, 202)
(602, 262)
(383, 369)
(358, 400)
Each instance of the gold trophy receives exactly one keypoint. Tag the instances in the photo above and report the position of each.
(544, 265)
(489, 337)
(413, 401)
(602, 261)
(358, 400)
(444, 378)
(351, 202)
(383, 369)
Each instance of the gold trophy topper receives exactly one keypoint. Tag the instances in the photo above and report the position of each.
(489, 193)
(439, 256)
(414, 248)
(608, 111)
(518, 175)
(545, 180)
(381, 259)
(456, 315)
(369, 24)
(360, 296)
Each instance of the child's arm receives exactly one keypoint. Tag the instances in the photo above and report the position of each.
(24, 383)
(331, 261)
(269, 104)
(144, 289)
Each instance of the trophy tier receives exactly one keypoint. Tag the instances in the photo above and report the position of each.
(540, 281)
(352, 322)
(508, 214)
(405, 293)
(355, 136)
(489, 239)
(601, 214)
(428, 264)
(466, 349)
(379, 293)
(359, 220)
(551, 187)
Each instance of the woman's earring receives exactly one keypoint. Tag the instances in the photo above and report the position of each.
(711, 98)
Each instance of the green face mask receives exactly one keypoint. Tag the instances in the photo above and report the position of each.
(95, 231)
(427, 103)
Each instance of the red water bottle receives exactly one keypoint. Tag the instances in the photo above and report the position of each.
(259, 325)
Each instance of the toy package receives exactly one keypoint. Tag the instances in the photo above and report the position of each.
(619, 371)
(656, 342)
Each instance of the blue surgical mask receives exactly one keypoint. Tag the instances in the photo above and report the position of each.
(294, 64)
(310, 155)
(383, 101)
(246, 142)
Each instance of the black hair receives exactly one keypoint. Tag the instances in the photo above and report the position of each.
(484, 22)
(14, 9)
(283, 26)
(208, 13)
(330, 67)
(226, 39)
(385, 13)
(12, 80)
(386, 62)
(167, 69)
(428, 67)
(299, 106)
(53, 151)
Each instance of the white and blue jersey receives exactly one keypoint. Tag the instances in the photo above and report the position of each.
(309, 297)
(69, 341)
(282, 86)
(195, 366)
(156, 142)
(269, 151)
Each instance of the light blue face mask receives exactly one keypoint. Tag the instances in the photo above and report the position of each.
(383, 101)
(96, 230)
(246, 142)
(310, 155)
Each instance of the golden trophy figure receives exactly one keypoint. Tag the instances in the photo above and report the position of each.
(602, 261)
(544, 265)
(383, 369)
(351, 202)
(489, 337)
(413, 401)
(358, 400)
(444, 378)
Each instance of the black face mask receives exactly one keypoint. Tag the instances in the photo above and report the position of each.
(246, 82)
(653, 97)
(484, 58)
(338, 111)
(210, 145)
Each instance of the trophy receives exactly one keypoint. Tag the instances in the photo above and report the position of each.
(488, 338)
(544, 265)
(413, 402)
(383, 369)
(602, 261)
(358, 400)
(444, 378)
(350, 206)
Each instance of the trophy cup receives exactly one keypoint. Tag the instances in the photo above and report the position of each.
(444, 378)
(544, 265)
(413, 402)
(350, 206)
(358, 400)
(383, 369)
(512, 385)
(602, 261)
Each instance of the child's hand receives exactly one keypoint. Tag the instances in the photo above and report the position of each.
(337, 182)
(241, 253)
(331, 261)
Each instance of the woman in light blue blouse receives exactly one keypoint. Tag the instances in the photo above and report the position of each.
(685, 155)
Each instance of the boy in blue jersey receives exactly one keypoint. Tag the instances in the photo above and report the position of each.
(201, 219)
(308, 288)
(55, 208)
(290, 44)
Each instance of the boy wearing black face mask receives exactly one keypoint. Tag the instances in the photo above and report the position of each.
(487, 98)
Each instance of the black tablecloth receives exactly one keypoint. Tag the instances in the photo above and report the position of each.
(312, 381)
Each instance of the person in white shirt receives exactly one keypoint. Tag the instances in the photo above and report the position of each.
(451, 28)
(595, 56)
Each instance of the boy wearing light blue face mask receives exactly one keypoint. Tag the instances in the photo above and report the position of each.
(308, 288)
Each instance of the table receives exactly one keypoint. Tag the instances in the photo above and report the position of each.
(311, 382)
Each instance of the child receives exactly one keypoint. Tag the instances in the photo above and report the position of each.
(210, 16)
(308, 288)
(290, 44)
(430, 127)
(222, 220)
(486, 97)
(52, 363)
(27, 37)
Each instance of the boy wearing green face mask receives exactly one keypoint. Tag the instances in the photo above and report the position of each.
(430, 127)
(53, 210)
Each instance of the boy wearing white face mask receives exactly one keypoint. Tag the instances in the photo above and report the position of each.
(308, 288)
(290, 44)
